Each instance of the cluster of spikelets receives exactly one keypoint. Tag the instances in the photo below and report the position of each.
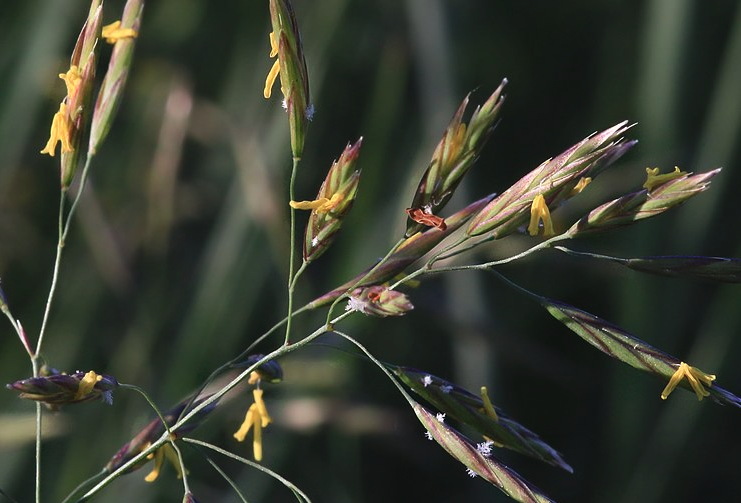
(429, 236)
(75, 113)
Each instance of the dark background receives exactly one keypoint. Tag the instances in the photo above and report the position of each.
(178, 256)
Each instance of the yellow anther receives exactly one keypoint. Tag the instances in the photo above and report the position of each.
(539, 211)
(698, 381)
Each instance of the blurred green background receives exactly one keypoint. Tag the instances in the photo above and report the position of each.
(178, 256)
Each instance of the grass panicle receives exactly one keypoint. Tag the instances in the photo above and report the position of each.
(200, 334)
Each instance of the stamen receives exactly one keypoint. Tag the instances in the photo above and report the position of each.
(539, 211)
(697, 379)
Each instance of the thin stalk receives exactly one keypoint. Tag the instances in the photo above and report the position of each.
(298, 274)
(241, 356)
(170, 436)
(16, 325)
(379, 365)
(186, 487)
(283, 350)
(63, 229)
(55, 274)
(221, 472)
(474, 243)
(540, 246)
(167, 436)
(78, 195)
(298, 492)
(84, 484)
(38, 449)
(35, 355)
(427, 268)
(292, 252)
(575, 253)
(64, 226)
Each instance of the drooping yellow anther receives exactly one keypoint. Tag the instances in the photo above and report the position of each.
(262, 411)
(539, 211)
(274, 70)
(257, 416)
(697, 379)
(272, 75)
(61, 131)
(164, 452)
